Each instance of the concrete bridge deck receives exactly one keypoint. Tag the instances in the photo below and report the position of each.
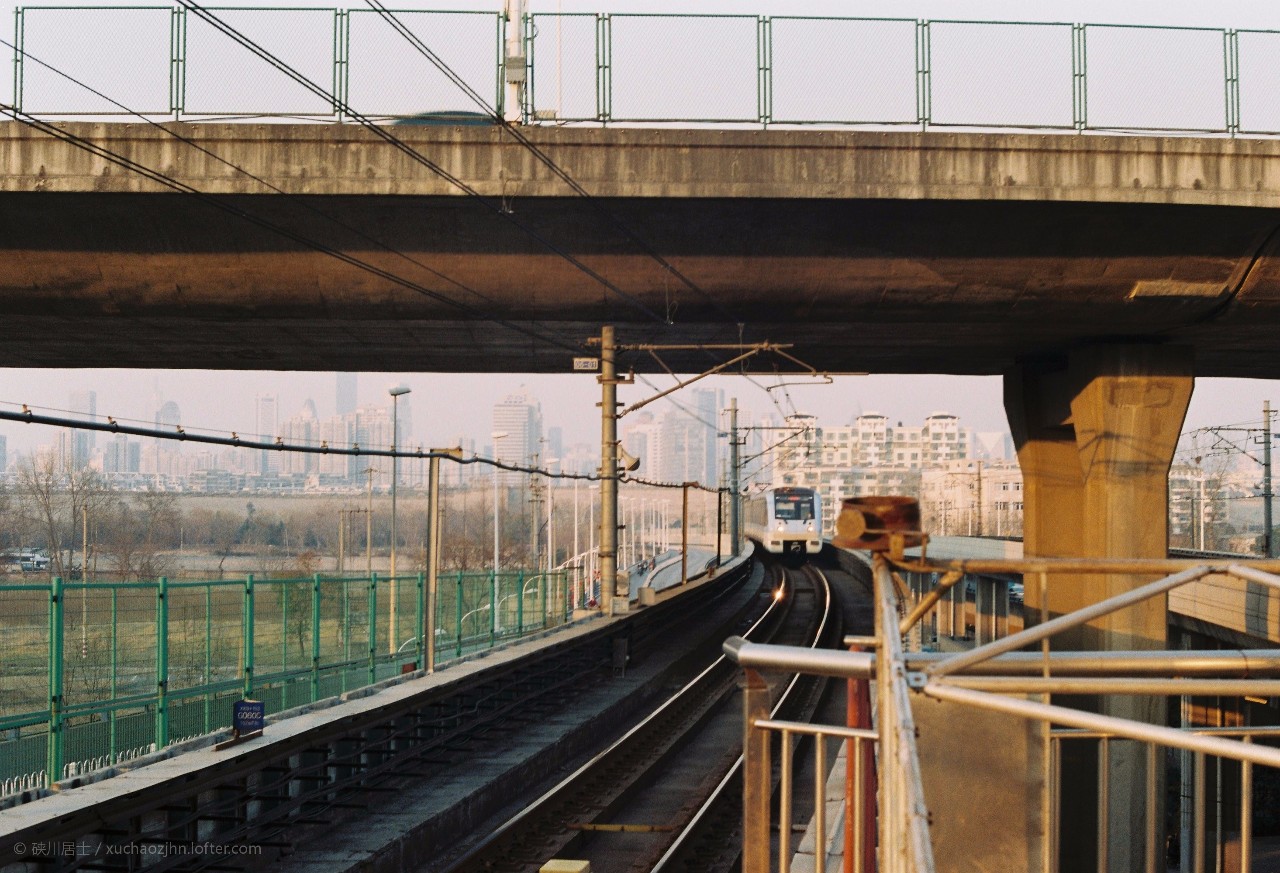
(325, 247)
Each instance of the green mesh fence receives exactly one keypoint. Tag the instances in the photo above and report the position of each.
(97, 673)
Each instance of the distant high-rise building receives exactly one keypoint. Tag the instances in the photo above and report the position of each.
(687, 446)
(267, 424)
(83, 403)
(555, 441)
(519, 419)
(346, 393)
(301, 429)
(168, 416)
(121, 455)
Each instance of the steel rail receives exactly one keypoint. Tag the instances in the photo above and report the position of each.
(496, 849)
(728, 790)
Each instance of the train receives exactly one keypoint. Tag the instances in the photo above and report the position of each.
(785, 522)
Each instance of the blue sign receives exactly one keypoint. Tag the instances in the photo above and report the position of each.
(247, 716)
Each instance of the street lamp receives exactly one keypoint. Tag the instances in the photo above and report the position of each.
(495, 436)
(395, 391)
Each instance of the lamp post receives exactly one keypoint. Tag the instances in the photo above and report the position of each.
(395, 391)
(493, 602)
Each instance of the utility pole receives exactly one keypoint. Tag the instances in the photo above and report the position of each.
(433, 558)
(979, 531)
(735, 521)
(608, 470)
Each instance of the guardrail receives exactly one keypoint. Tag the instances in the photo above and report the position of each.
(1210, 764)
(606, 68)
(96, 673)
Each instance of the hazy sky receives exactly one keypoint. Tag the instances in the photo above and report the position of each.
(445, 405)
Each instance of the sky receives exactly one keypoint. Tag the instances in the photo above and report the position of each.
(446, 405)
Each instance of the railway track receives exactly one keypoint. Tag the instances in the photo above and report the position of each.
(662, 797)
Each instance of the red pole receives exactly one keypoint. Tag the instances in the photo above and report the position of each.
(858, 715)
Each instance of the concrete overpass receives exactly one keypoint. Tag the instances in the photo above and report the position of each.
(888, 252)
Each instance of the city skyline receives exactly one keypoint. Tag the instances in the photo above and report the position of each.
(453, 406)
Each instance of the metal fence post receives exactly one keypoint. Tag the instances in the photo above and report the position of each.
(178, 61)
(924, 77)
(315, 637)
(115, 652)
(19, 31)
(757, 775)
(419, 664)
(208, 649)
(1079, 79)
(764, 70)
(457, 605)
(162, 663)
(520, 604)
(373, 628)
(341, 60)
(53, 762)
(247, 671)
(604, 72)
(1231, 62)
(284, 630)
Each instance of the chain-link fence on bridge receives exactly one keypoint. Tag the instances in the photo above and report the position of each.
(644, 68)
(95, 673)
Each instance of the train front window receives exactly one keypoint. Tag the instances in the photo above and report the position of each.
(793, 508)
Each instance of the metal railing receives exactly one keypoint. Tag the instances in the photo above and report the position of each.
(607, 68)
(95, 673)
(1209, 763)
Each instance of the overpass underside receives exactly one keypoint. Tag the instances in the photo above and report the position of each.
(152, 280)
(322, 248)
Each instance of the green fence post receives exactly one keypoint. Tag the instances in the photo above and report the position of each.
(924, 75)
(284, 638)
(373, 628)
(1079, 79)
(544, 587)
(422, 617)
(115, 650)
(604, 67)
(162, 663)
(315, 638)
(346, 630)
(495, 599)
(457, 604)
(764, 69)
(178, 61)
(520, 604)
(53, 763)
(248, 637)
(19, 41)
(208, 651)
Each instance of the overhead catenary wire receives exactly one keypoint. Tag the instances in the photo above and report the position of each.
(382, 133)
(180, 434)
(541, 156)
(164, 179)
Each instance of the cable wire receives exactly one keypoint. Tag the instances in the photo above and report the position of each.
(382, 133)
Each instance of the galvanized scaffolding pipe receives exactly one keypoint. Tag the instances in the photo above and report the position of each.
(1109, 725)
(1064, 622)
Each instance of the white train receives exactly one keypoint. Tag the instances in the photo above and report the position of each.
(785, 521)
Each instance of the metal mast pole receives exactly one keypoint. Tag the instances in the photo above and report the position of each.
(735, 521)
(433, 559)
(1267, 545)
(608, 471)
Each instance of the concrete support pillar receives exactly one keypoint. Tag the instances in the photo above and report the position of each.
(1096, 434)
